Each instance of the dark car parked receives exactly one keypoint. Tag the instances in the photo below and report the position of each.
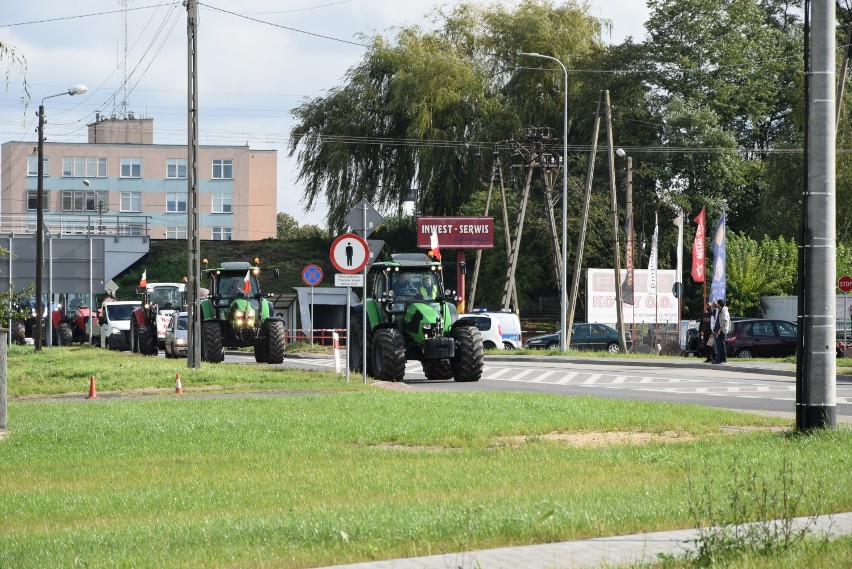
(597, 337)
(761, 338)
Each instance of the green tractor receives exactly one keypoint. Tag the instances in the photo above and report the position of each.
(236, 315)
(411, 317)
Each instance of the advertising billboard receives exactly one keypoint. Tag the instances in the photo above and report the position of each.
(456, 232)
(647, 308)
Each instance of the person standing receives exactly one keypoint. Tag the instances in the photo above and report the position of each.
(705, 331)
(723, 323)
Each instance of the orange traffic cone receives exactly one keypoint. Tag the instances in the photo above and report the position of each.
(178, 386)
(93, 394)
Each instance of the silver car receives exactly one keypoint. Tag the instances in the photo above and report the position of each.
(176, 336)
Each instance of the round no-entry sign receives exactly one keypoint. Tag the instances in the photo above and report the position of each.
(845, 283)
(349, 253)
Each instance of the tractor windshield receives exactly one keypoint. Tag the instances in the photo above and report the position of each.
(234, 286)
(415, 285)
(166, 297)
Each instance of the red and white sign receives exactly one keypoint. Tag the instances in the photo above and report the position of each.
(456, 232)
(845, 283)
(647, 308)
(349, 253)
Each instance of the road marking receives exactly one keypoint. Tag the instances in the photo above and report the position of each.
(542, 376)
(592, 379)
(566, 378)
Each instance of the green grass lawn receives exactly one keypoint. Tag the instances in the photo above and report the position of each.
(354, 473)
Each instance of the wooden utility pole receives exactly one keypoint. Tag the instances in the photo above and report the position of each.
(516, 245)
(619, 307)
(584, 218)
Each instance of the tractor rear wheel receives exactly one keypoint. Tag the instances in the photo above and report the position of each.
(146, 339)
(211, 346)
(64, 334)
(19, 332)
(437, 369)
(388, 355)
(470, 356)
(277, 342)
(134, 336)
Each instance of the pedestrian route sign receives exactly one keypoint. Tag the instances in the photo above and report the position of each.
(349, 253)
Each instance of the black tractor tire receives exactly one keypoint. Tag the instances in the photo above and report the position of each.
(261, 350)
(470, 356)
(211, 345)
(354, 342)
(388, 355)
(134, 336)
(277, 342)
(146, 338)
(437, 369)
(18, 330)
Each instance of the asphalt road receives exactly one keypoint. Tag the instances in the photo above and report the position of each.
(763, 387)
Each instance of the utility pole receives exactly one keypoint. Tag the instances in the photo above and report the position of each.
(816, 389)
(619, 307)
(193, 356)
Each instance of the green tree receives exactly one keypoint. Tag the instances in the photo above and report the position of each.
(15, 62)
(758, 268)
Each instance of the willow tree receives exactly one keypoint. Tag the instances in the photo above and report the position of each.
(412, 116)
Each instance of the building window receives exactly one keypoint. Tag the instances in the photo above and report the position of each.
(176, 168)
(32, 165)
(131, 167)
(221, 234)
(221, 203)
(176, 203)
(131, 201)
(32, 200)
(82, 200)
(223, 169)
(131, 229)
(84, 167)
(176, 232)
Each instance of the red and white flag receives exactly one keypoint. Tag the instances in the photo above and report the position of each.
(435, 251)
(698, 249)
(247, 282)
(144, 281)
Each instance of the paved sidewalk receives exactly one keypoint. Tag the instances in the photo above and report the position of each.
(587, 553)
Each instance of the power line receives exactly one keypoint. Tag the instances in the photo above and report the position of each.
(59, 19)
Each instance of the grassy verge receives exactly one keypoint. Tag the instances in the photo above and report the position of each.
(363, 473)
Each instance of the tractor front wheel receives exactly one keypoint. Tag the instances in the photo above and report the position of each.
(470, 355)
(437, 369)
(146, 340)
(388, 355)
(19, 332)
(211, 346)
(277, 342)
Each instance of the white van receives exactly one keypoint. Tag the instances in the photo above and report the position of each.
(510, 326)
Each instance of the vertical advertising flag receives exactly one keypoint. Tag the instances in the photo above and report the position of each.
(652, 261)
(679, 223)
(627, 287)
(698, 248)
(718, 245)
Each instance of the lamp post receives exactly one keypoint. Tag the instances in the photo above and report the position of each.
(75, 90)
(564, 278)
(631, 261)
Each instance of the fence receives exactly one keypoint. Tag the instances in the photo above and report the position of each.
(320, 337)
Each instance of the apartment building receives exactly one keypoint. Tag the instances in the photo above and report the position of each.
(130, 185)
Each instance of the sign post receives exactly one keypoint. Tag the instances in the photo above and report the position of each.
(349, 255)
(312, 276)
(844, 283)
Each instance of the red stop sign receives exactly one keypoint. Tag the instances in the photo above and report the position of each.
(845, 283)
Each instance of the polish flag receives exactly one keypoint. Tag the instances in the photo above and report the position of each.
(435, 251)
(144, 282)
(247, 282)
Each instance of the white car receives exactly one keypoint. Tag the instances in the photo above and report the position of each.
(510, 327)
(489, 327)
(115, 324)
(177, 333)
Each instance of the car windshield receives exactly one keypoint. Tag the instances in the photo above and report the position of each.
(182, 323)
(119, 311)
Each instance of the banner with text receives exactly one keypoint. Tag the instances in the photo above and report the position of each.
(647, 308)
(456, 232)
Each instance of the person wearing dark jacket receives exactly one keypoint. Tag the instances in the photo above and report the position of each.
(704, 332)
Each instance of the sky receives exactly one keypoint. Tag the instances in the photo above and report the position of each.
(257, 60)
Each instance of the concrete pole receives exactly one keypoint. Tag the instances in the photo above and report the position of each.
(39, 268)
(193, 285)
(3, 368)
(818, 408)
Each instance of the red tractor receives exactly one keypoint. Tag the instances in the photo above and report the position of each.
(149, 321)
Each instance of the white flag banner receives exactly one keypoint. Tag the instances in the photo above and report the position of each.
(679, 223)
(652, 261)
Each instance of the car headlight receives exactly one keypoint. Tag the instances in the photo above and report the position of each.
(114, 331)
(180, 341)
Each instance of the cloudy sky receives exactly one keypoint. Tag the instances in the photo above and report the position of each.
(257, 60)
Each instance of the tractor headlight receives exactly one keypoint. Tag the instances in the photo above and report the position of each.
(397, 307)
(238, 314)
(250, 321)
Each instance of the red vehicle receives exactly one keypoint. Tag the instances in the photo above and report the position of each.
(149, 321)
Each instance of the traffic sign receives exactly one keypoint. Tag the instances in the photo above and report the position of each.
(845, 283)
(348, 280)
(349, 253)
(312, 275)
(355, 218)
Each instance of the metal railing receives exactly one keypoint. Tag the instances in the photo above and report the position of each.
(78, 224)
(319, 337)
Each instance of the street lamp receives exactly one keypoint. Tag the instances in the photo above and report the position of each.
(564, 292)
(631, 261)
(75, 90)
